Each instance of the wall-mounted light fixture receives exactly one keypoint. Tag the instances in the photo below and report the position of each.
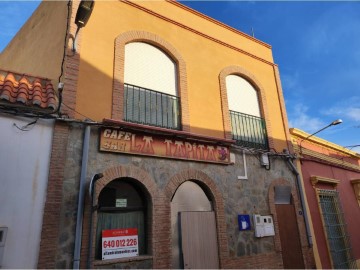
(82, 16)
(333, 123)
(83, 13)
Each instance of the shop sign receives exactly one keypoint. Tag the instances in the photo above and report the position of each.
(114, 140)
(119, 243)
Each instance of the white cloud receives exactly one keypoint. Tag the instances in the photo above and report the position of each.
(347, 109)
(299, 118)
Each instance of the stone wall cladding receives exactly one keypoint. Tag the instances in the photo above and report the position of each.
(161, 177)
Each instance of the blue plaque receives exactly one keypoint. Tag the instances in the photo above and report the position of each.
(244, 222)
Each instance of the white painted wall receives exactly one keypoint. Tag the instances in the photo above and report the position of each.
(24, 166)
(149, 67)
(242, 96)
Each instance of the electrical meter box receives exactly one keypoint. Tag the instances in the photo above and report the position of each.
(264, 226)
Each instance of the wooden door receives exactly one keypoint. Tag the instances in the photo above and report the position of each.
(199, 240)
(289, 237)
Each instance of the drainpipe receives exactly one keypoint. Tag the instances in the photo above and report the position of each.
(302, 200)
(91, 193)
(80, 210)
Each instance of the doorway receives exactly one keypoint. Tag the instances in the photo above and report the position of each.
(194, 234)
(288, 229)
(198, 240)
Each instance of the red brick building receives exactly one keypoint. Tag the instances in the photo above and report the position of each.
(331, 179)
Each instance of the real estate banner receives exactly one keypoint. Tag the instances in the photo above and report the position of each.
(119, 243)
(115, 140)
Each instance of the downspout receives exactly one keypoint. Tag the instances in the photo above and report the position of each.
(302, 200)
(80, 210)
(91, 194)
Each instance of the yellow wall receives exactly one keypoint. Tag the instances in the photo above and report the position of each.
(204, 59)
(207, 47)
(37, 49)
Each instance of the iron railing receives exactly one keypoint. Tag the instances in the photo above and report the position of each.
(149, 107)
(248, 130)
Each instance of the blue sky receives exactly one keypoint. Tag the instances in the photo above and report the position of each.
(315, 44)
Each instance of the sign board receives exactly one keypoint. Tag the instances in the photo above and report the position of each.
(115, 140)
(119, 243)
(121, 202)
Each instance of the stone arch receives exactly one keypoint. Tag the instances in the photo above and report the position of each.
(242, 72)
(126, 171)
(210, 188)
(119, 60)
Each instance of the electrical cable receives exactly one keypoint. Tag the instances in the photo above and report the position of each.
(65, 40)
(25, 127)
(78, 112)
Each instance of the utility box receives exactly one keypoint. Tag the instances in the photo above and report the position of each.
(264, 160)
(3, 234)
(264, 226)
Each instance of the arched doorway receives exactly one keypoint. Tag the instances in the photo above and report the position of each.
(194, 236)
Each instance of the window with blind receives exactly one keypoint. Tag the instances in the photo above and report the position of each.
(122, 205)
(335, 227)
(150, 87)
(247, 126)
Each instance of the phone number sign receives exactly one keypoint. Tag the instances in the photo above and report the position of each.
(119, 243)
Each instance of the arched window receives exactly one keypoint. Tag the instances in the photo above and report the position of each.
(247, 126)
(150, 89)
(122, 205)
(242, 96)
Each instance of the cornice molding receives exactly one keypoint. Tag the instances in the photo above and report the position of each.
(326, 158)
(323, 180)
(299, 134)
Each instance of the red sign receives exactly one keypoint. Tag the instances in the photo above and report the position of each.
(114, 140)
(119, 243)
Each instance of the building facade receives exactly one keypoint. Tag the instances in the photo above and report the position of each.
(168, 150)
(331, 176)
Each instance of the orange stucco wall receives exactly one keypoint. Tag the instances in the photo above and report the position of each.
(204, 58)
(37, 49)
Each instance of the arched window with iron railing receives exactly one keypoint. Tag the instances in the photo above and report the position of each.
(150, 87)
(247, 125)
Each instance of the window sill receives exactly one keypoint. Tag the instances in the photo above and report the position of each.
(122, 260)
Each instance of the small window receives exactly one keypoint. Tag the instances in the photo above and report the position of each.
(122, 205)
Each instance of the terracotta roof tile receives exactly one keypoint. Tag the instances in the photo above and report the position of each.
(27, 90)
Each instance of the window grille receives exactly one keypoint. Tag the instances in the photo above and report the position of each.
(149, 107)
(248, 130)
(336, 233)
